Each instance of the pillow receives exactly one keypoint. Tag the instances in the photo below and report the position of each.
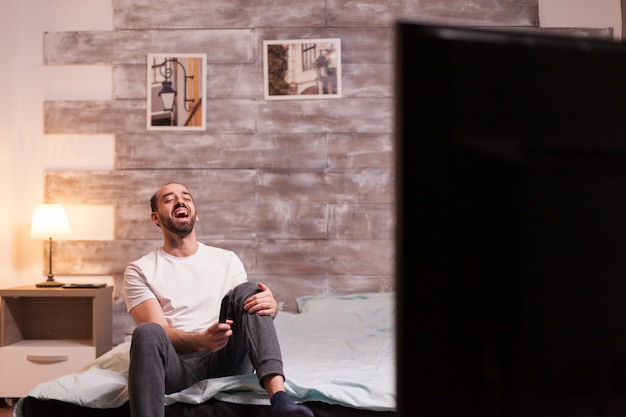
(344, 303)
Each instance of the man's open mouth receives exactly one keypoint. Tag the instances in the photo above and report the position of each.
(181, 212)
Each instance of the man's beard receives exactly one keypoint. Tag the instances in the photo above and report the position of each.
(179, 229)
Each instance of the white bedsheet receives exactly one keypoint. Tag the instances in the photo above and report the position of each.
(339, 350)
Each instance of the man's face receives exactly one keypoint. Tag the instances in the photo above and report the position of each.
(176, 211)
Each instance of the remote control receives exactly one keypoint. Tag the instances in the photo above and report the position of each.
(224, 308)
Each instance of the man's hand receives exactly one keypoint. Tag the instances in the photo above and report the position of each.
(262, 302)
(215, 337)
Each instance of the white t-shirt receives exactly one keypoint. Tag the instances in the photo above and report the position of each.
(189, 289)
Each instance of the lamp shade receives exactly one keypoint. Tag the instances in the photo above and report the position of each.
(49, 220)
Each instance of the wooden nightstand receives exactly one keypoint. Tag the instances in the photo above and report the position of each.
(46, 333)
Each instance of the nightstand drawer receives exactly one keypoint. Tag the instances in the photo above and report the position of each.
(31, 362)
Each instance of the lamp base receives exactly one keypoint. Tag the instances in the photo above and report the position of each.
(50, 282)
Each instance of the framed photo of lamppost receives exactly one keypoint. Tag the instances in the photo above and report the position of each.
(176, 91)
(302, 69)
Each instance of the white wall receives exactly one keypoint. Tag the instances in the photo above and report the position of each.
(25, 152)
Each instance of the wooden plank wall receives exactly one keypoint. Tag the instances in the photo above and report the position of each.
(302, 190)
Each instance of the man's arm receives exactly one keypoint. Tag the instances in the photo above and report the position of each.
(212, 339)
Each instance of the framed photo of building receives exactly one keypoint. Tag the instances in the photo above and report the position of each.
(302, 69)
(176, 91)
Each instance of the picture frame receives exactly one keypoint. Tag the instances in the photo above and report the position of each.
(175, 94)
(302, 69)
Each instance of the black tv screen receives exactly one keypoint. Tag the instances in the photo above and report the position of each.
(511, 232)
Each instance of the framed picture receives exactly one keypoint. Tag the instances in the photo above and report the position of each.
(302, 69)
(175, 92)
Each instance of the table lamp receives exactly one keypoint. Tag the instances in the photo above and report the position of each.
(49, 220)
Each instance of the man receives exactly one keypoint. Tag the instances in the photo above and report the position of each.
(174, 294)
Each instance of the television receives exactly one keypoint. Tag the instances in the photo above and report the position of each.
(511, 223)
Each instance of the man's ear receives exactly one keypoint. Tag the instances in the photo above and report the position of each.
(155, 219)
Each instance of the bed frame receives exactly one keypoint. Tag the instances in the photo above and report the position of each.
(33, 407)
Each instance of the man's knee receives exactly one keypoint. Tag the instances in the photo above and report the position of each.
(148, 333)
(244, 290)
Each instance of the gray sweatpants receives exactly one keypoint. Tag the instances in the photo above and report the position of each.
(157, 369)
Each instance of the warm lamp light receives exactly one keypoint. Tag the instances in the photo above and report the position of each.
(49, 220)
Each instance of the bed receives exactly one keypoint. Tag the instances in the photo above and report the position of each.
(338, 353)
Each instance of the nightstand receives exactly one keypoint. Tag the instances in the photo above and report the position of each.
(46, 333)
